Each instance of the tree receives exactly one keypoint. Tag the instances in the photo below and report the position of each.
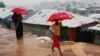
(2, 5)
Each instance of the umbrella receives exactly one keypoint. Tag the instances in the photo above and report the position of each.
(60, 16)
(20, 11)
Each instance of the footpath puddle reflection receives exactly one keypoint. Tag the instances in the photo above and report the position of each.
(20, 48)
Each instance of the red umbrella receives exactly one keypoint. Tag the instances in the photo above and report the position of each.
(20, 11)
(60, 16)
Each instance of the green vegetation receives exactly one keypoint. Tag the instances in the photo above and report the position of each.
(2, 5)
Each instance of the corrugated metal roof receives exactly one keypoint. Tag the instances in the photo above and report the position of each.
(42, 16)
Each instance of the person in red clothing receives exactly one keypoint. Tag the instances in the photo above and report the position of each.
(55, 30)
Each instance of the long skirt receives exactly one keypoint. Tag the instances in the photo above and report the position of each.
(19, 30)
(56, 41)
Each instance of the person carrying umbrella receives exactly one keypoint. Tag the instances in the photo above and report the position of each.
(17, 19)
(55, 30)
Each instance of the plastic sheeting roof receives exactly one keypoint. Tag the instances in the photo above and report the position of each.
(42, 16)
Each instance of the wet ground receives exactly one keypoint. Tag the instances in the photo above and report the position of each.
(30, 46)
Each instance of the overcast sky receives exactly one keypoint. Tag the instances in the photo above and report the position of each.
(16, 2)
(29, 3)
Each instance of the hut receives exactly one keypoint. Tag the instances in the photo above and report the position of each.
(75, 27)
(93, 32)
(38, 24)
(4, 16)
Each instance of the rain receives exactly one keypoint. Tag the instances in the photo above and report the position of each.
(79, 35)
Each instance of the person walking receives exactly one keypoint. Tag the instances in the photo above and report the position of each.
(55, 30)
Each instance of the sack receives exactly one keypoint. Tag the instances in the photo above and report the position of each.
(52, 29)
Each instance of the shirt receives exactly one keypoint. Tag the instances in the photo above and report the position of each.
(57, 29)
